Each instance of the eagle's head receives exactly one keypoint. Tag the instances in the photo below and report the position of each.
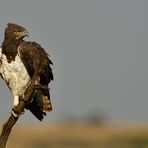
(14, 31)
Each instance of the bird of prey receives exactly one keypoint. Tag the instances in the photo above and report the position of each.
(19, 60)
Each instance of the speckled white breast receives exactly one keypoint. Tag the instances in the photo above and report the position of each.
(15, 74)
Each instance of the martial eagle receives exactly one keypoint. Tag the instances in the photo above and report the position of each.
(18, 62)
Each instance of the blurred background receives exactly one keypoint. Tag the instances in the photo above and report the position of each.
(100, 53)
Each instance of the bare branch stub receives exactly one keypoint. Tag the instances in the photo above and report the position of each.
(7, 130)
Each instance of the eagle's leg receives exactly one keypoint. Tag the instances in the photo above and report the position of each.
(16, 100)
(15, 103)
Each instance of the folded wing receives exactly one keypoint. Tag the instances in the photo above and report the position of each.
(36, 59)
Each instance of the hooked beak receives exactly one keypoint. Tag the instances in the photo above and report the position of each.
(21, 35)
(25, 33)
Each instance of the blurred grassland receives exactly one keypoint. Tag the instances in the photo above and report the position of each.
(76, 135)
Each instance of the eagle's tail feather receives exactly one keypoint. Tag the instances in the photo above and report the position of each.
(39, 105)
(46, 104)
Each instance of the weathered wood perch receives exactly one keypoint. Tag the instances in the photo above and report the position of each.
(7, 127)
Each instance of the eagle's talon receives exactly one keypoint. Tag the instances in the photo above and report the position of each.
(40, 86)
(15, 113)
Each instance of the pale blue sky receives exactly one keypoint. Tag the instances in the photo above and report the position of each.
(100, 53)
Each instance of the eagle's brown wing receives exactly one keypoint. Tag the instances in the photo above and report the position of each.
(32, 55)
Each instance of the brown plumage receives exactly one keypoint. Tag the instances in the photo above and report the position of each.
(32, 55)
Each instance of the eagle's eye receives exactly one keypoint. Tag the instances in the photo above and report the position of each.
(18, 33)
